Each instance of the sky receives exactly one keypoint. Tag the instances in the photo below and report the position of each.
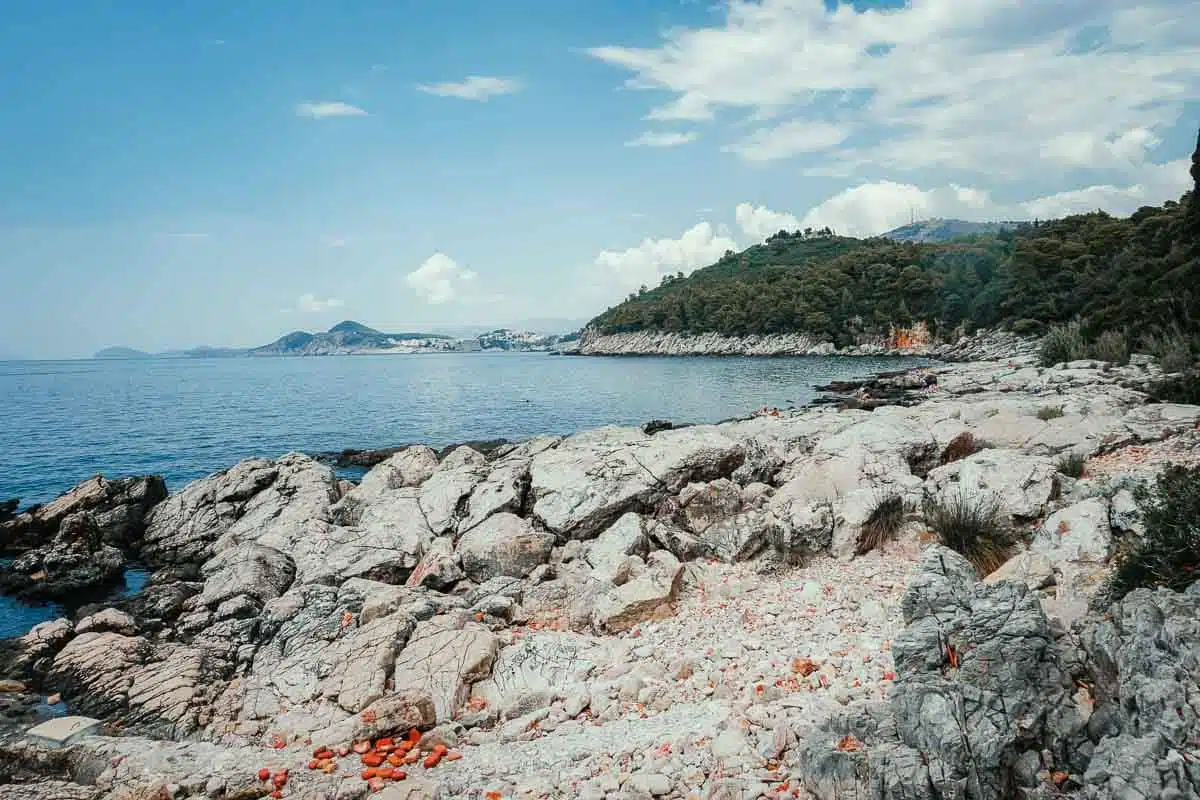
(219, 172)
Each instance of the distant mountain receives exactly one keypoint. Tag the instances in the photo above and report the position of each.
(121, 352)
(943, 230)
(349, 337)
(205, 352)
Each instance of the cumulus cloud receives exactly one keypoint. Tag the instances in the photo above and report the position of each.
(439, 279)
(474, 87)
(993, 87)
(759, 222)
(324, 110)
(647, 263)
(663, 139)
(873, 208)
(312, 304)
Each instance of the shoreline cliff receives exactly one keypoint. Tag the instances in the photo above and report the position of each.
(714, 610)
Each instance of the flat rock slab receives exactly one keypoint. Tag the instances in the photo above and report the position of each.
(64, 730)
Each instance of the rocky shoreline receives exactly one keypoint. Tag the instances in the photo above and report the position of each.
(622, 613)
(984, 345)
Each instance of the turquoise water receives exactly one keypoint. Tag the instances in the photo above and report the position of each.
(17, 617)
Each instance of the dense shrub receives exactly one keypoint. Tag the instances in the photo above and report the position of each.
(1072, 465)
(974, 526)
(1168, 554)
(1047, 413)
(1063, 343)
(1111, 346)
(961, 446)
(1173, 348)
(882, 525)
(1182, 388)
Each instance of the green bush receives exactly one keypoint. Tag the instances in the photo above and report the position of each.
(974, 527)
(1173, 349)
(1047, 413)
(1072, 465)
(882, 525)
(1111, 346)
(1063, 343)
(1168, 555)
(1183, 388)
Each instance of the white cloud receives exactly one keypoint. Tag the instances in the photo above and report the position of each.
(759, 222)
(474, 87)
(874, 208)
(312, 304)
(324, 110)
(996, 87)
(439, 279)
(645, 264)
(788, 139)
(663, 139)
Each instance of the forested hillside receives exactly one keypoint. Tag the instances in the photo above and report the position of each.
(1138, 275)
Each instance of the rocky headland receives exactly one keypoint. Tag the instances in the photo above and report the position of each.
(696, 612)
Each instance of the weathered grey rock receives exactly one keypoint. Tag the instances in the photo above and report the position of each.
(442, 659)
(1022, 484)
(1145, 661)
(1079, 532)
(979, 681)
(444, 495)
(674, 539)
(438, 568)
(412, 466)
(503, 544)
(256, 500)
(742, 536)
(1124, 514)
(260, 572)
(117, 507)
(592, 478)
(703, 504)
(608, 553)
(1033, 569)
(108, 619)
(506, 488)
(643, 596)
(75, 560)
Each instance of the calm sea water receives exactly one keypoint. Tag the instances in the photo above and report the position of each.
(63, 421)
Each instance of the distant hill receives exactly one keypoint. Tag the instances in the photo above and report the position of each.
(1132, 278)
(351, 337)
(943, 230)
(121, 352)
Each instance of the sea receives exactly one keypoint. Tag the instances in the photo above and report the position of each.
(64, 421)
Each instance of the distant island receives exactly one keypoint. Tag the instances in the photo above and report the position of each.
(354, 338)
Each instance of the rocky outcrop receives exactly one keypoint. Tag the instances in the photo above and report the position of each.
(74, 561)
(684, 612)
(117, 508)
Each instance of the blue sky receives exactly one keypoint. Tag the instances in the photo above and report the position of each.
(221, 172)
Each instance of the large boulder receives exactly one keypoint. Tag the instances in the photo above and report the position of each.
(256, 500)
(589, 479)
(1022, 484)
(1144, 656)
(980, 689)
(118, 508)
(443, 657)
(503, 544)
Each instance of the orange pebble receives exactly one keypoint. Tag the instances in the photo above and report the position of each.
(264, 774)
(453, 755)
(368, 773)
(385, 773)
(440, 749)
(314, 764)
(413, 757)
(414, 736)
(432, 761)
(404, 746)
(329, 768)
(277, 794)
(385, 743)
(395, 759)
(362, 747)
(399, 774)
